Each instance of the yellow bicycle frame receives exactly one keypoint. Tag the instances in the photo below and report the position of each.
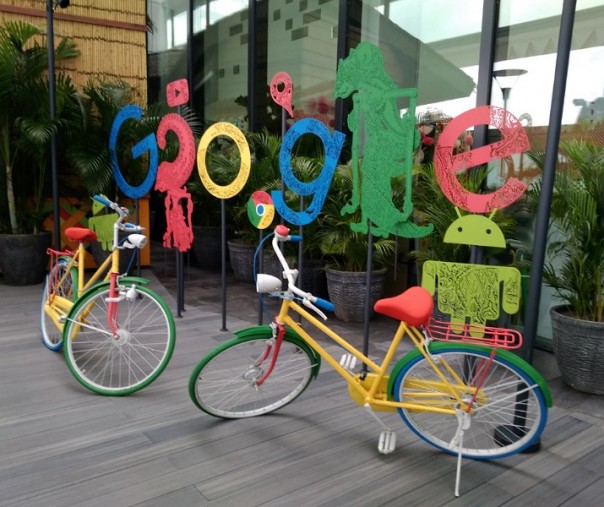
(371, 391)
(58, 307)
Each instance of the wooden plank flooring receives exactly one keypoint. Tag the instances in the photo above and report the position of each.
(61, 445)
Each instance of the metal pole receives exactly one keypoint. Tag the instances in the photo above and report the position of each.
(549, 176)
(52, 111)
(251, 60)
(367, 308)
(490, 15)
(342, 48)
(223, 247)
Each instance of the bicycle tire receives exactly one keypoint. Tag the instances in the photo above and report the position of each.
(135, 357)
(222, 383)
(52, 336)
(496, 429)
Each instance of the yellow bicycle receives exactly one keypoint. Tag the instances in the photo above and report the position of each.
(117, 334)
(471, 400)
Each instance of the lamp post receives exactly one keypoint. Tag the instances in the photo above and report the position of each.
(506, 79)
(50, 8)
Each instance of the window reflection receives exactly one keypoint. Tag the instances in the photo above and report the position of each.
(424, 49)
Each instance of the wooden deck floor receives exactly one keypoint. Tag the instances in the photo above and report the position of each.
(61, 445)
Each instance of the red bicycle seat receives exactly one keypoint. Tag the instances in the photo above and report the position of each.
(414, 306)
(80, 234)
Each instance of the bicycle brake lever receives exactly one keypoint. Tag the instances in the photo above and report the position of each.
(308, 304)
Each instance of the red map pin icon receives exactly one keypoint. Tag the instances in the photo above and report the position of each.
(283, 97)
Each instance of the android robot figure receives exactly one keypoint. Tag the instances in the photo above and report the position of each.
(473, 293)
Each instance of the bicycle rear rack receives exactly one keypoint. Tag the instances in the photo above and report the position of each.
(473, 333)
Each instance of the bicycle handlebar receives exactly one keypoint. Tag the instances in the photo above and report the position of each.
(122, 213)
(282, 234)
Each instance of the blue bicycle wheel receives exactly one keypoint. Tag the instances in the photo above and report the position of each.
(60, 283)
(508, 411)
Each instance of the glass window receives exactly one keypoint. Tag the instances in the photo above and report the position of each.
(423, 49)
(302, 41)
(583, 114)
(166, 45)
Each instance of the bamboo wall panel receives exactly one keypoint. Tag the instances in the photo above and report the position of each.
(110, 35)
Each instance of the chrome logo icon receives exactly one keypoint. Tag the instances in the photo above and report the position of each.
(260, 209)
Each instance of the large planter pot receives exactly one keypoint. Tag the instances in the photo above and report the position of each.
(579, 350)
(347, 291)
(313, 278)
(207, 247)
(242, 261)
(23, 258)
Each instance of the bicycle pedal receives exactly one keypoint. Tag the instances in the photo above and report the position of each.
(387, 442)
(348, 361)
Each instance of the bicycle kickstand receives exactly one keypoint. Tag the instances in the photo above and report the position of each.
(463, 423)
(387, 440)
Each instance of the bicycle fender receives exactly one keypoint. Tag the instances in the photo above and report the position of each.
(290, 333)
(506, 355)
(74, 275)
(123, 280)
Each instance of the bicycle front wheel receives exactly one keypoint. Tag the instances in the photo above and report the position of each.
(59, 282)
(122, 355)
(508, 410)
(223, 384)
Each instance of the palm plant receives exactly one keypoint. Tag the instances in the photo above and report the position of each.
(24, 117)
(577, 237)
(37, 129)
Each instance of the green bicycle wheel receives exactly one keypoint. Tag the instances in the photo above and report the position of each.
(119, 358)
(223, 383)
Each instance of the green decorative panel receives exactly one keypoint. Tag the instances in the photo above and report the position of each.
(389, 143)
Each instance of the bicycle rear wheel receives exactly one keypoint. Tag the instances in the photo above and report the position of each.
(509, 409)
(223, 382)
(52, 336)
(128, 360)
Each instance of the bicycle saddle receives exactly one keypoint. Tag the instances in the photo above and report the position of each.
(80, 234)
(414, 306)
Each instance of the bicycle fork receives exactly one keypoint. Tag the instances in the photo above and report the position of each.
(272, 347)
(112, 310)
(116, 297)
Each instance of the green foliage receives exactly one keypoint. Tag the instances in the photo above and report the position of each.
(223, 165)
(25, 125)
(577, 232)
(345, 249)
(432, 206)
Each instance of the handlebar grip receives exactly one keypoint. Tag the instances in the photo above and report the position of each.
(132, 227)
(102, 200)
(326, 305)
(295, 238)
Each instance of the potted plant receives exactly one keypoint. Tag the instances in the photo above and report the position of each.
(347, 253)
(576, 269)
(207, 223)
(25, 134)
